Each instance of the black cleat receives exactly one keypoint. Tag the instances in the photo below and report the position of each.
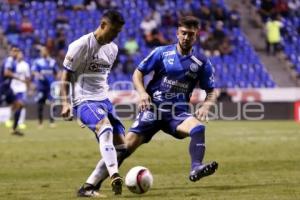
(88, 190)
(116, 184)
(17, 133)
(204, 170)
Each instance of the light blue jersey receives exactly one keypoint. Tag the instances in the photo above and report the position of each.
(48, 68)
(175, 76)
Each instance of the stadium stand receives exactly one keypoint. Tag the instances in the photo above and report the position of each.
(55, 25)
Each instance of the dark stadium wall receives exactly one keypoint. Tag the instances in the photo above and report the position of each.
(222, 111)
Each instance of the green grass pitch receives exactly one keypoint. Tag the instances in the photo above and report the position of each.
(257, 160)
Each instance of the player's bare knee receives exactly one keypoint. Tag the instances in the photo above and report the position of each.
(104, 131)
(100, 124)
(133, 141)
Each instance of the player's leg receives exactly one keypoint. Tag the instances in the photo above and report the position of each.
(140, 132)
(124, 150)
(196, 130)
(41, 100)
(104, 131)
(104, 134)
(17, 106)
(51, 118)
(94, 115)
(22, 97)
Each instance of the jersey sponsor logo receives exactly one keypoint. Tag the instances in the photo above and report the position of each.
(194, 67)
(191, 74)
(169, 53)
(157, 95)
(97, 67)
(175, 83)
(171, 61)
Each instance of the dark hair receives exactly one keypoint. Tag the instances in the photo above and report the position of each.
(189, 21)
(13, 45)
(114, 17)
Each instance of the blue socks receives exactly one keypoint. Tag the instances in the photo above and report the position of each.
(197, 145)
(16, 118)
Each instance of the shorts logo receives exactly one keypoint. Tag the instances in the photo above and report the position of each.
(100, 111)
(194, 67)
(135, 124)
(147, 116)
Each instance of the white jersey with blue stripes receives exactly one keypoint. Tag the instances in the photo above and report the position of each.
(91, 64)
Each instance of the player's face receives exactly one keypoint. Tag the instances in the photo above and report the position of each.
(14, 52)
(20, 55)
(186, 37)
(111, 31)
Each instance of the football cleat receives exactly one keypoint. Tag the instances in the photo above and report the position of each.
(88, 190)
(203, 170)
(116, 184)
(17, 133)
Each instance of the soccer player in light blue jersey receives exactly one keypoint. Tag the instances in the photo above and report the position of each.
(45, 71)
(164, 104)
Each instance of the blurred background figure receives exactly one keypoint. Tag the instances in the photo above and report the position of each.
(20, 88)
(45, 72)
(273, 35)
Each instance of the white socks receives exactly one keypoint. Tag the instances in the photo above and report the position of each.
(100, 172)
(22, 116)
(107, 149)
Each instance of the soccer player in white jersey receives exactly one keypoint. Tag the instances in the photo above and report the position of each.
(88, 62)
(20, 87)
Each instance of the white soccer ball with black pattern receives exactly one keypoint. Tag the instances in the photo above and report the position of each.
(139, 179)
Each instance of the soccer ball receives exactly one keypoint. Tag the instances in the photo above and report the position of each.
(139, 180)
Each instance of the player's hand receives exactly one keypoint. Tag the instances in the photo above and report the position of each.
(66, 112)
(202, 114)
(145, 102)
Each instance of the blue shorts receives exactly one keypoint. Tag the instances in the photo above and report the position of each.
(7, 95)
(148, 123)
(42, 96)
(21, 96)
(91, 112)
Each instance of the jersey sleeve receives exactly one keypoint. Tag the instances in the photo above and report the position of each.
(74, 57)
(55, 67)
(35, 66)
(27, 71)
(9, 63)
(207, 80)
(150, 62)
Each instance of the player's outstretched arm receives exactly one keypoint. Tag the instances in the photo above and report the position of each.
(202, 112)
(138, 81)
(66, 106)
